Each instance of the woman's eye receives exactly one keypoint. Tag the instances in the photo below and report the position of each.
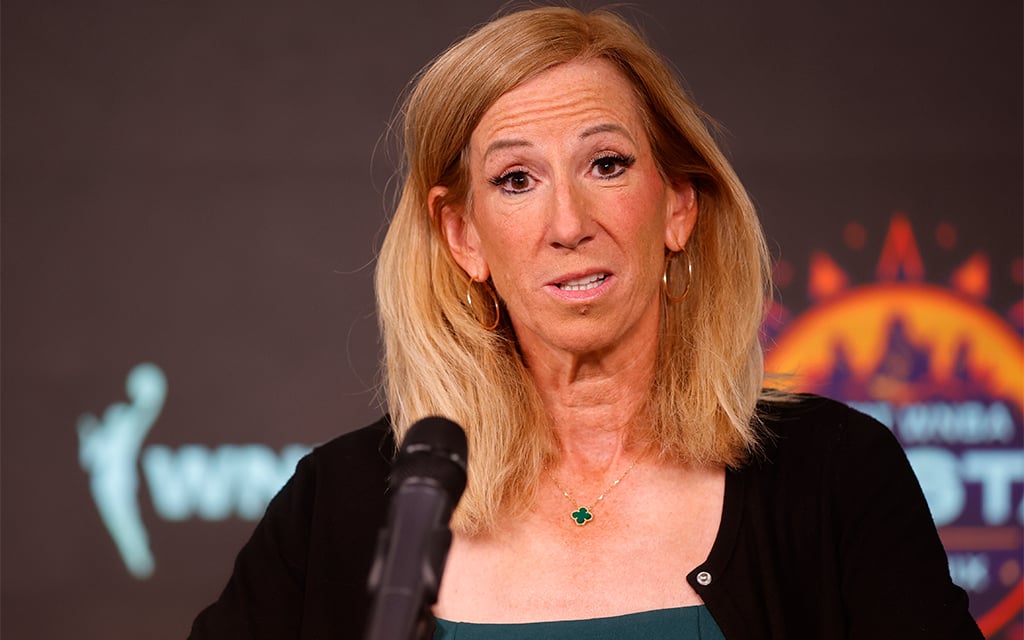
(513, 182)
(611, 166)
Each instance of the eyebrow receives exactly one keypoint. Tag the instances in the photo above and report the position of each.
(508, 143)
(497, 145)
(605, 128)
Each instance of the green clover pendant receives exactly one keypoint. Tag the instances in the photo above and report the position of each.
(582, 516)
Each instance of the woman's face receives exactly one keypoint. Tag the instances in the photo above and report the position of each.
(568, 212)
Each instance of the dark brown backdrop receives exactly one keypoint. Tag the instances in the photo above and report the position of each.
(203, 185)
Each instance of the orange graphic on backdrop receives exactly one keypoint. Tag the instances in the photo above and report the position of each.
(856, 324)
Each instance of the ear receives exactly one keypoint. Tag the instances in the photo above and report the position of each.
(460, 234)
(681, 214)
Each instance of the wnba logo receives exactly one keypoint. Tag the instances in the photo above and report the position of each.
(192, 481)
(945, 373)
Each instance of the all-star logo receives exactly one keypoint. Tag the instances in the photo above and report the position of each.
(946, 374)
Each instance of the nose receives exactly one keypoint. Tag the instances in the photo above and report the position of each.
(570, 224)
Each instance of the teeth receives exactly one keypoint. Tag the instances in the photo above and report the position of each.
(582, 284)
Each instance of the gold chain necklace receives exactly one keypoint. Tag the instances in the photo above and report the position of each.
(584, 514)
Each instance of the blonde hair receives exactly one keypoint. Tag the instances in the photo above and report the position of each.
(438, 358)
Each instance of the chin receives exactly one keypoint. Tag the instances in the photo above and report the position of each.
(581, 342)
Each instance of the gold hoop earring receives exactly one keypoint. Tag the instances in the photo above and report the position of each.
(664, 276)
(494, 299)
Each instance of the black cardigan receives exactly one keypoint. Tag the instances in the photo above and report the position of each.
(826, 535)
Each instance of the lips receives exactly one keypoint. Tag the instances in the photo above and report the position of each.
(584, 283)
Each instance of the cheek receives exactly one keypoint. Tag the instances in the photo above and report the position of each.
(644, 219)
(502, 246)
(508, 249)
(505, 229)
(643, 227)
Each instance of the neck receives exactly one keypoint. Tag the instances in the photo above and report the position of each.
(596, 401)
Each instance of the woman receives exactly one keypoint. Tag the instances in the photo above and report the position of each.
(575, 275)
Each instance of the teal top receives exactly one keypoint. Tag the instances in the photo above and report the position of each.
(682, 623)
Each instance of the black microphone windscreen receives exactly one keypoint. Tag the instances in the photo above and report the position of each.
(434, 449)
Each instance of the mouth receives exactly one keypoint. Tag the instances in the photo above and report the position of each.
(585, 283)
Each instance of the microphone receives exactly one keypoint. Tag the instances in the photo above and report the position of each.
(427, 478)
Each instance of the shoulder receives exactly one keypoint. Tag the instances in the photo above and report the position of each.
(305, 565)
(831, 501)
(825, 457)
(355, 460)
(372, 445)
(352, 467)
(811, 425)
(815, 446)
